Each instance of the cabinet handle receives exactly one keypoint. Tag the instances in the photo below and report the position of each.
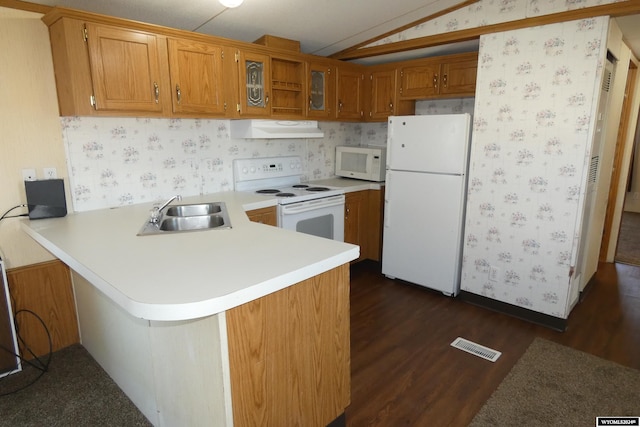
(178, 93)
(391, 105)
(435, 80)
(156, 91)
(444, 80)
(266, 100)
(339, 105)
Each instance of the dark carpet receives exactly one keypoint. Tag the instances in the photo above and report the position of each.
(628, 251)
(554, 385)
(75, 391)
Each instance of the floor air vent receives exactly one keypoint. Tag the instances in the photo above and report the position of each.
(477, 349)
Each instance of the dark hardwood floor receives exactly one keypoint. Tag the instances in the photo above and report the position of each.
(405, 373)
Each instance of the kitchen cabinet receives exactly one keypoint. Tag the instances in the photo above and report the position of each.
(197, 75)
(288, 86)
(349, 92)
(356, 220)
(125, 69)
(107, 70)
(363, 220)
(439, 77)
(321, 84)
(383, 100)
(264, 216)
(254, 73)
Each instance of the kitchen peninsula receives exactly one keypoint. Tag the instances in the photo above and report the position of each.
(240, 326)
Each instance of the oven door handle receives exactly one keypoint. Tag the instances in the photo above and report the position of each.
(291, 210)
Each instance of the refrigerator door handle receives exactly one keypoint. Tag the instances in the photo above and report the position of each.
(387, 196)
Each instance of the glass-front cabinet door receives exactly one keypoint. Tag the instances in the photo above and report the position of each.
(255, 84)
(321, 80)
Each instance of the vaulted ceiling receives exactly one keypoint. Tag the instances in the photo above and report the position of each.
(323, 27)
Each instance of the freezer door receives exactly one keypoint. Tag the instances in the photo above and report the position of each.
(423, 225)
(437, 143)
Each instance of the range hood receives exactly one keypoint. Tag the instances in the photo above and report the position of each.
(275, 129)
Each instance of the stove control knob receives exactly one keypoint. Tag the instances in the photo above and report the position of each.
(244, 171)
(253, 170)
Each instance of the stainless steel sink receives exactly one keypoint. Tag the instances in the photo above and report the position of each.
(194, 210)
(186, 223)
(189, 217)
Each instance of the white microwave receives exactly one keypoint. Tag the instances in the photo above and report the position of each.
(366, 163)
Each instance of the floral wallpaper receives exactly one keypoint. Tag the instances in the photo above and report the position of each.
(488, 12)
(120, 161)
(537, 91)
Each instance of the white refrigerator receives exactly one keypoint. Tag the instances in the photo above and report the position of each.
(425, 197)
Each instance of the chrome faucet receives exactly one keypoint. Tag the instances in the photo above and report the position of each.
(157, 211)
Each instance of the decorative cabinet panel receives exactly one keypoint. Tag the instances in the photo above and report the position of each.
(197, 77)
(125, 69)
(439, 77)
(255, 84)
(321, 85)
(349, 92)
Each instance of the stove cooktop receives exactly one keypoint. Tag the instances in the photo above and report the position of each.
(280, 177)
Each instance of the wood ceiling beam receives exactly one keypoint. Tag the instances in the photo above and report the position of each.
(624, 8)
(23, 5)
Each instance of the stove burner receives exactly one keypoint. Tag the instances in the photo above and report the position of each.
(268, 191)
(285, 195)
(300, 186)
(318, 189)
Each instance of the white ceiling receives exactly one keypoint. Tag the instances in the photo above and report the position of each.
(323, 27)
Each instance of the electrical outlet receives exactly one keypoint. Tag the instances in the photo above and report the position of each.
(28, 174)
(50, 173)
(494, 273)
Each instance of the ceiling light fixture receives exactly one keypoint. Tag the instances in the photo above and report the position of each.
(231, 3)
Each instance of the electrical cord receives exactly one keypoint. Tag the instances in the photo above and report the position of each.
(23, 205)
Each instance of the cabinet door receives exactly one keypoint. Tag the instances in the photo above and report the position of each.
(196, 71)
(355, 220)
(459, 78)
(349, 93)
(125, 69)
(419, 81)
(383, 93)
(321, 87)
(255, 84)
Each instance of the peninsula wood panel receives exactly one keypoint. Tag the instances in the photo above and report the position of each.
(289, 354)
(264, 216)
(45, 289)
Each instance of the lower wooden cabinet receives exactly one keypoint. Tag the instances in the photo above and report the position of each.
(264, 216)
(44, 289)
(363, 222)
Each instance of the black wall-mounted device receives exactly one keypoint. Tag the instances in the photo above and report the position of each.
(45, 198)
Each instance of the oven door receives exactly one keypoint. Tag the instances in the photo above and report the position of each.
(320, 217)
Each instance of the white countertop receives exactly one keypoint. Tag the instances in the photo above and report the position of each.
(187, 275)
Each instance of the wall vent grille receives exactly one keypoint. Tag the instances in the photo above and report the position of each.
(593, 168)
(476, 349)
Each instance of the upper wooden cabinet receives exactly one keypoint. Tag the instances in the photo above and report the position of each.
(288, 87)
(439, 77)
(106, 66)
(125, 69)
(383, 100)
(349, 92)
(254, 73)
(107, 70)
(321, 89)
(197, 75)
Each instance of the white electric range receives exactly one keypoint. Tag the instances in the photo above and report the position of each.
(302, 207)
